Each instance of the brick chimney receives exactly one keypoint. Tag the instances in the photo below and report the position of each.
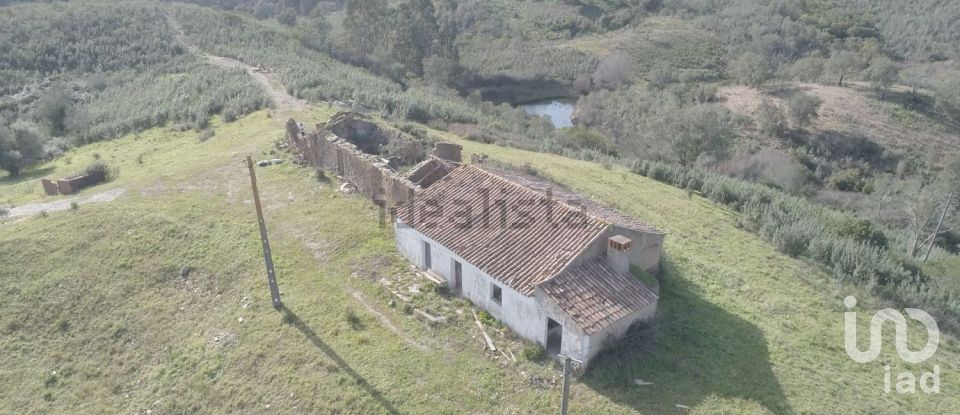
(618, 253)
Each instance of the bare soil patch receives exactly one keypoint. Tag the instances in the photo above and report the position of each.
(63, 204)
(854, 111)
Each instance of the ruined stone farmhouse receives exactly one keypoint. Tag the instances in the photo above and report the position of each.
(555, 273)
(555, 267)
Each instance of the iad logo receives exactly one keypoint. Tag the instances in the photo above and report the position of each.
(906, 382)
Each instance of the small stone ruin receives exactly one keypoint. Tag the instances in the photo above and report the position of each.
(352, 145)
(71, 185)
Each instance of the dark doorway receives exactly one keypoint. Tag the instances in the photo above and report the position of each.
(457, 276)
(427, 261)
(554, 336)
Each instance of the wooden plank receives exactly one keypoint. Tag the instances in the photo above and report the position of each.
(433, 277)
(484, 332)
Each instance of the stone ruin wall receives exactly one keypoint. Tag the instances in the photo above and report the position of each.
(371, 176)
(70, 185)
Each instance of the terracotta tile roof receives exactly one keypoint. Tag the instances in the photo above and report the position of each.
(509, 231)
(564, 194)
(595, 296)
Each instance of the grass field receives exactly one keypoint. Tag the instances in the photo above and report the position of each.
(157, 301)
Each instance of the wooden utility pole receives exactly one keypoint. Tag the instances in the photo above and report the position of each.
(943, 215)
(267, 257)
(565, 400)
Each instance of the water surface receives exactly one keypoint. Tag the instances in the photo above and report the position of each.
(558, 110)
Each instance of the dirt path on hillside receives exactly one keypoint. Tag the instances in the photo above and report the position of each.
(283, 101)
(63, 204)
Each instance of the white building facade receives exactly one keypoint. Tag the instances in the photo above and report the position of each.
(569, 290)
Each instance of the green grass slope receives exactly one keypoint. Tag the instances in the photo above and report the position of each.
(96, 316)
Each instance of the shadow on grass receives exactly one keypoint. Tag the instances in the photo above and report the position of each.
(293, 319)
(30, 174)
(696, 350)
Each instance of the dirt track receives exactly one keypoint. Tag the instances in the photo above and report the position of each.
(63, 204)
(282, 101)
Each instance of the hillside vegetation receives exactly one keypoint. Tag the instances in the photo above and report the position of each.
(85, 72)
(795, 151)
(919, 30)
(138, 322)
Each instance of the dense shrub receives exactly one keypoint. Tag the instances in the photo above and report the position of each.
(101, 171)
(20, 146)
(405, 148)
(93, 71)
(314, 76)
(802, 109)
(854, 248)
(861, 230)
(578, 137)
(189, 97)
(533, 352)
(847, 180)
(206, 135)
(525, 60)
(85, 38)
(916, 30)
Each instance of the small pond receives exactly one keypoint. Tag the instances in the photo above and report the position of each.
(558, 110)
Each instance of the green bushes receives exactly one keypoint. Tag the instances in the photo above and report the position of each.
(206, 135)
(191, 95)
(20, 146)
(855, 249)
(524, 60)
(848, 180)
(84, 38)
(94, 71)
(898, 22)
(353, 319)
(315, 76)
(861, 230)
(578, 137)
(101, 171)
(487, 319)
(533, 352)
(792, 239)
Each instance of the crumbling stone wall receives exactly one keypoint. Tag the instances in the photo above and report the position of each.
(430, 171)
(326, 149)
(70, 185)
(449, 151)
(350, 145)
(73, 184)
(50, 187)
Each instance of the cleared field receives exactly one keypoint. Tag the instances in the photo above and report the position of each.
(856, 111)
(157, 300)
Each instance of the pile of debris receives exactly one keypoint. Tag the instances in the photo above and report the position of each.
(265, 163)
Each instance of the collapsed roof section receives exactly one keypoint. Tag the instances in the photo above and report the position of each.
(429, 171)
